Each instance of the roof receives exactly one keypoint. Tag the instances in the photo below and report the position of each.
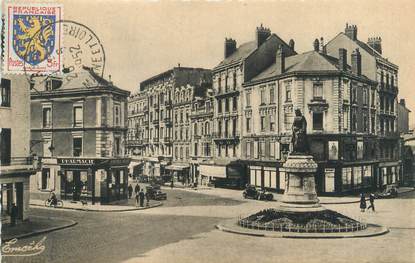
(240, 53)
(308, 61)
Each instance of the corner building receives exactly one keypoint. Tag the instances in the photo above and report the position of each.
(79, 132)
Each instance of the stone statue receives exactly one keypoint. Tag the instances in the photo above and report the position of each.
(299, 136)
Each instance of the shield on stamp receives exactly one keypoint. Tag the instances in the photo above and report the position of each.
(34, 37)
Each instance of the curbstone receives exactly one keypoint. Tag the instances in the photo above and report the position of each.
(103, 211)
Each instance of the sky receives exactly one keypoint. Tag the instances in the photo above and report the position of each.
(144, 38)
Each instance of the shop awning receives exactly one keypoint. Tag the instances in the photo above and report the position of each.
(213, 171)
(177, 167)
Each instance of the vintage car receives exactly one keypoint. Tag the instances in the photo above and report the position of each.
(257, 193)
(391, 191)
(155, 192)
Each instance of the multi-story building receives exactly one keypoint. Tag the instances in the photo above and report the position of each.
(79, 132)
(238, 66)
(16, 164)
(403, 117)
(169, 98)
(137, 136)
(201, 119)
(339, 105)
(377, 68)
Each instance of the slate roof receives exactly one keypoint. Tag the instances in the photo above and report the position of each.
(242, 52)
(306, 62)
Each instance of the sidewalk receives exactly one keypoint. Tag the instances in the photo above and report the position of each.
(35, 225)
(237, 194)
(96, 207)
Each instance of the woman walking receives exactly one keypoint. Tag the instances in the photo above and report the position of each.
(362, 202)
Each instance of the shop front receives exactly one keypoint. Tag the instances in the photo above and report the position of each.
(103, 180)
(179, 172)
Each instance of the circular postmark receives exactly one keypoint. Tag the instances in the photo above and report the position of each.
(82, 54)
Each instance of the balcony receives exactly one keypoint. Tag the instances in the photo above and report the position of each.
(168, 121)
(134, 142)
(168, 140)
(155, 121)
(232, 137)
(318, 105)
(197, 136)
(227, 93)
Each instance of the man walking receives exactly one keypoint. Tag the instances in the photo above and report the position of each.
(372, 202)
(142, 196)
(130, 191)
(13, 214)
(137, 189)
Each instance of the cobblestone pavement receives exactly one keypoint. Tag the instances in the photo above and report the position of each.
(184, 232)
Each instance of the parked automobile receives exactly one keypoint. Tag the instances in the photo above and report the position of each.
(258, 193)
(391, 191)
(155, 192)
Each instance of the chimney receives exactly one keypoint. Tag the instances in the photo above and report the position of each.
(323, 47)
(375, 43)
(262, 33)
(356, 62)
(230, 47)
(351, 31)
(316, 45)
(280, 59)
(402, 102)
(291, 44)
(342, 59)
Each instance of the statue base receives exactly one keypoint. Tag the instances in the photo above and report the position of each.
(300, 193)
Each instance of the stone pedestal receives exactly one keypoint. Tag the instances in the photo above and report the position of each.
(300, 190)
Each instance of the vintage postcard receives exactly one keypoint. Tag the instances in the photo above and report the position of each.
(207, 131)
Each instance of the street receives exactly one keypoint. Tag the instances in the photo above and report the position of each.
(184, 229)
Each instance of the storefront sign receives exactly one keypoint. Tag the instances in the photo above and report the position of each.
(76, 161)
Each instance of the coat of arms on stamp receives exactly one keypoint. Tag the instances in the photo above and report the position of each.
(33, 38)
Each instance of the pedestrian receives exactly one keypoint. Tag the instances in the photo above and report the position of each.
(137, 197)
(137, 188)
(148, 198)
(142, 196)
(171, 184)
(13, 214)
(372, 202)
(130, 191)
(362, 202)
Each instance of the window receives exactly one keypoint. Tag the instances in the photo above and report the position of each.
(248, 124)
(234, 127)
(272, 93)
(5, 146)
(234, 80)
(345, 119)
(219, 128)
(5, 93)
(318, 90)
(317, 121)
(235, 104)
(207, 128)
(226, 128)
(262, 123)
(78, 116)
(272, 122)
(227, 105)
(262, 149)
(365, 123)
(219, 106)
(47, 117)
(365, 97)
(77, 147)
(248, 149)
(196, 149)
(219, 84)
(248, 99)
(354, 94)
(354, 121)
(195, 129)
(45, 178)
(373, 124)
(262, 90)
(373, 98)
(288, 91)
(117, 146)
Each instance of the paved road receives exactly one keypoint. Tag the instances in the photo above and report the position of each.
(115, 237)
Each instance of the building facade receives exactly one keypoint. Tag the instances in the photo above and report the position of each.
(377, 68)
(169, 96)
(79, 133)
(16, 162)
(238, 66)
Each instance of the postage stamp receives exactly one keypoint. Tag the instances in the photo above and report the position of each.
(33, 38)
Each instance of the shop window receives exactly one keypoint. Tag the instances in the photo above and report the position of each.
(77, 147)
(317, 121)
(47, 117)
(78, 118)
(5, 146)
(346, 178)
(5, 93)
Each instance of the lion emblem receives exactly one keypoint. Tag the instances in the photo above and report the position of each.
(33, 37)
